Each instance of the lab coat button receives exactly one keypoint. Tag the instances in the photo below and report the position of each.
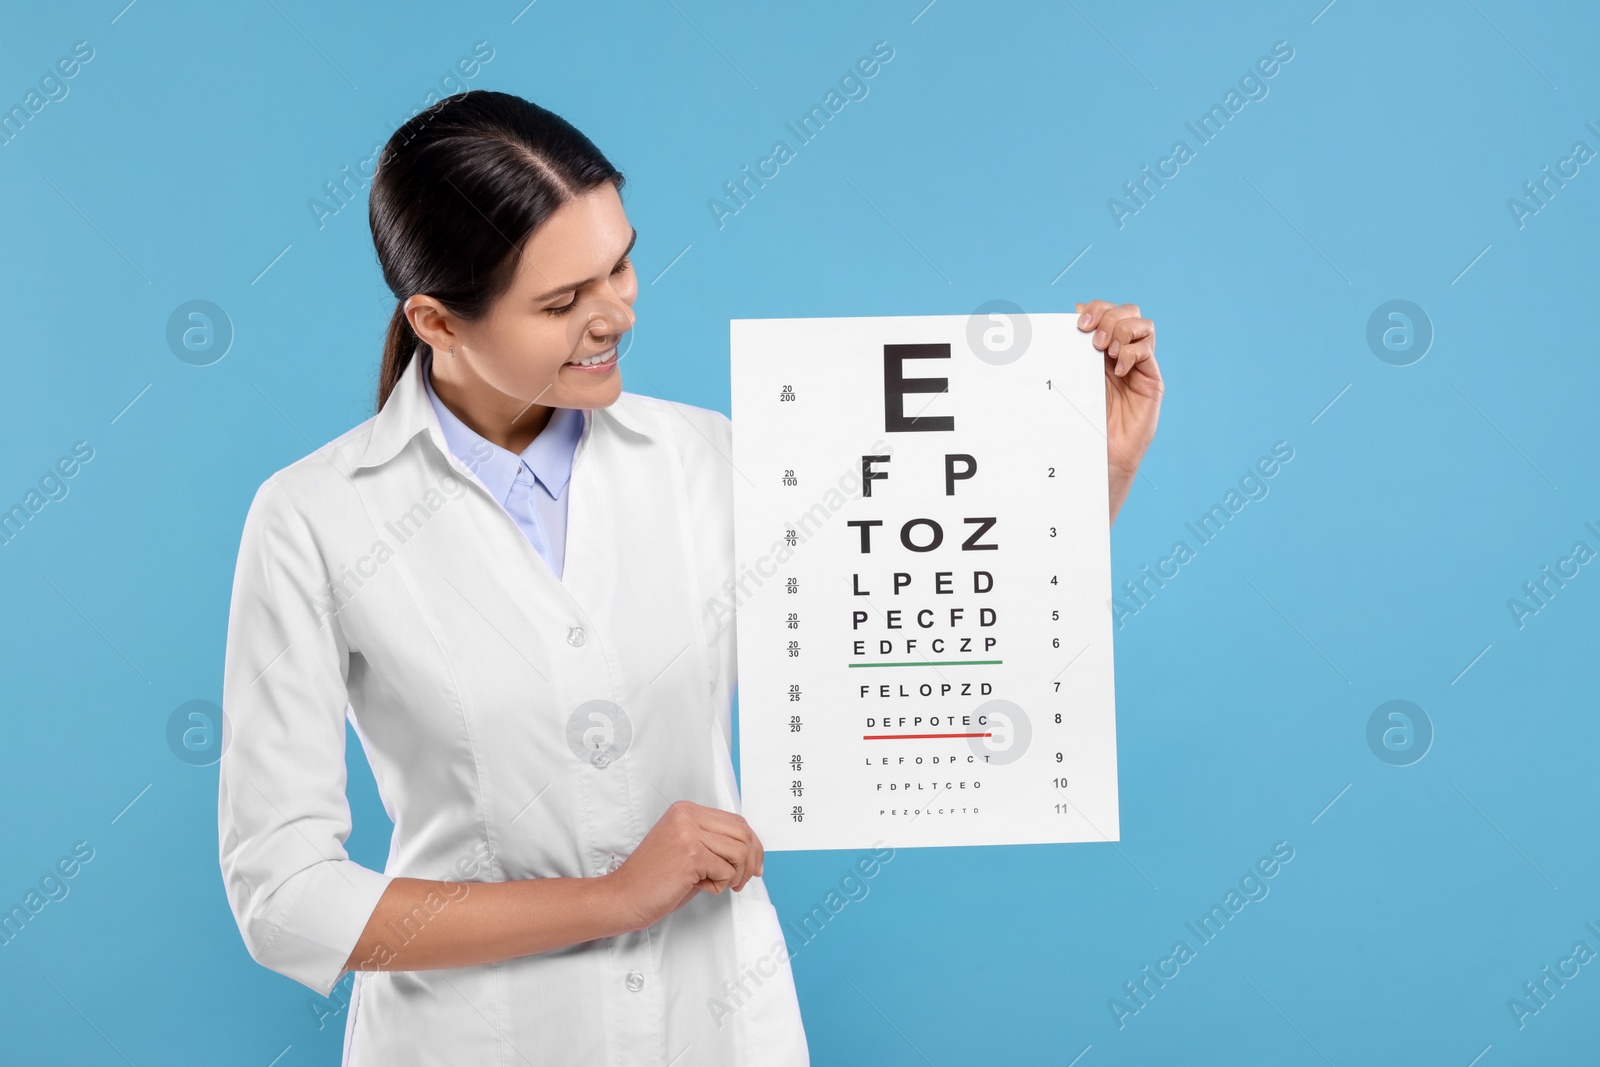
(634, 981)
(575, 636)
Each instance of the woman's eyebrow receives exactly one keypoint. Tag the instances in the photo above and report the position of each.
(578, 285)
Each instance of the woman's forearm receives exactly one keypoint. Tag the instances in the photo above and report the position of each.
(421, 924)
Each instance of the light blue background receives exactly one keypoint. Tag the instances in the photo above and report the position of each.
(1378, 167)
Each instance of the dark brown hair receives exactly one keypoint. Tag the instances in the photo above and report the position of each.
(458, 191)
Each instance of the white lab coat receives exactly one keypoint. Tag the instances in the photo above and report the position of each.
(378, 575)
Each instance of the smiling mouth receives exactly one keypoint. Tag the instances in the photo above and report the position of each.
(597, 362)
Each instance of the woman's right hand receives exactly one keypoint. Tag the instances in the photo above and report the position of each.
(692, 848)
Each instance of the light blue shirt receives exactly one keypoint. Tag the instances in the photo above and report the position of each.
(531, 487)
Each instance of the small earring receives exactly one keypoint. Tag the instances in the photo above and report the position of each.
(452, 351)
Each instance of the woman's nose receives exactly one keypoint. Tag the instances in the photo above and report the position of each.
(609, 319)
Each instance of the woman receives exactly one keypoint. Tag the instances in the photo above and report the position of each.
(503, 576)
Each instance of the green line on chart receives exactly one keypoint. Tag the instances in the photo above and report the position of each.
(931, 663)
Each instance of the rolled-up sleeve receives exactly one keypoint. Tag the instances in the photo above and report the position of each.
(282, 818)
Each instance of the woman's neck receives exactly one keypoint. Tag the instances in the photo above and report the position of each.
(497, 417)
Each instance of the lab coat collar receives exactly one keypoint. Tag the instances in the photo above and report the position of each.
(408, 412)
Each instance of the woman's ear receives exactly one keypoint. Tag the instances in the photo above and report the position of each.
(432, 322)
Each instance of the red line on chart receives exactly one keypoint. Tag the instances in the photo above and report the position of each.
(910, 737)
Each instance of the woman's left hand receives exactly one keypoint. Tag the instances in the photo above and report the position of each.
(1133, 387)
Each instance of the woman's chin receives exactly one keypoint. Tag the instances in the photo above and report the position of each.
(589, 387)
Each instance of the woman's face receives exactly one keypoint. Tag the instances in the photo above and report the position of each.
(551, 339)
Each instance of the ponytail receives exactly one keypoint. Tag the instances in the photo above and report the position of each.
(399, 347)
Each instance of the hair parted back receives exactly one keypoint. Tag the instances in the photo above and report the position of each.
(459, 189)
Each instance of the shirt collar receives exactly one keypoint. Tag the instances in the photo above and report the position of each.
(408, 412)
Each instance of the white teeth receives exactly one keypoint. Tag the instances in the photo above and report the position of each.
(593, 360)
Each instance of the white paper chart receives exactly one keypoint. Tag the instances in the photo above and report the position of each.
(924, 633)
